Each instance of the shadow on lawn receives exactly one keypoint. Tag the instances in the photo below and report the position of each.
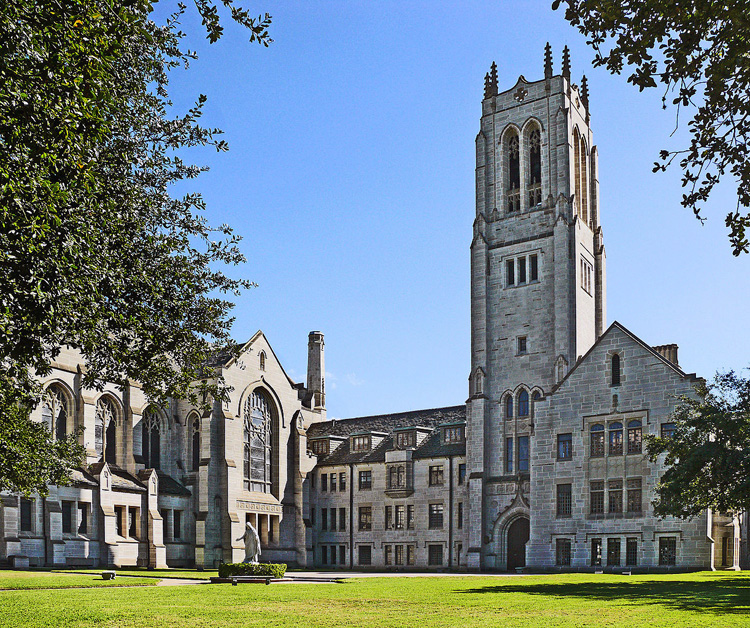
(723, 595)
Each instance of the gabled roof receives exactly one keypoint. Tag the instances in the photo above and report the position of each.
(121, 479)
(637, 340)
(225, 359)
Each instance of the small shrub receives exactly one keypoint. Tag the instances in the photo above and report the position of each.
(273, 570)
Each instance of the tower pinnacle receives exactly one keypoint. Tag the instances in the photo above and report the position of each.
(548, 61)
(566, 63)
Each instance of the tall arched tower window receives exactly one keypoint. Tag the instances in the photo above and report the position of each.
(55, 411)
(513, 150)
(535, 168)
(508, 406)
(258, 466)
(195, 452)
(584, 183)
(105, 429)
(523, 403)
(151, 439)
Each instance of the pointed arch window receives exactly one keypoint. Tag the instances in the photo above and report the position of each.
(262, 360)
(534, 398)
(258, 442)
(508, 407)
(523, 403)
(535, 168)
(151, 438)
(616, 370)
(105, 429)
(195, 444)
(514, 172)
(55, 411)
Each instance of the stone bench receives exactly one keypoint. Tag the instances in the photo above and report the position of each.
(108, 575)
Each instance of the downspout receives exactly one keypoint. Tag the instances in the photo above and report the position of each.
(46, 529)
(450, 512)
(351, 516)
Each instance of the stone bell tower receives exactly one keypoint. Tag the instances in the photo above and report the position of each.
(538, 289)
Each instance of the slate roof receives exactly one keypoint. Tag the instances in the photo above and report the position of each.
(80, 477)
(431, 447)
(121, 479)
(169, 486)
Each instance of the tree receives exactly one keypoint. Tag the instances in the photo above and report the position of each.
(95, 253)
(699, 51)
(708, 456)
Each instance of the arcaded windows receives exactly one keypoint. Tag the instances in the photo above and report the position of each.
(597, 440)
(635, 437)
(105, 429)
(508, 407)
(151, 439)
(534, 175)
(258, 442)
(523, 401)
(562, 552)
(262, 361)
(615, 439)
(615, 369)
(522, 270)
(195, 442)
(565, 446)
(514, 172)
(55, 411)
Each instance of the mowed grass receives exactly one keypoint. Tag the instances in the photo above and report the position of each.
(190, 574)
(46, 580)
(560, 600)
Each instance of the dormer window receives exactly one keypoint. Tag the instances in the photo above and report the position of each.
(406, 439)
(453, 434)
(319, 447)
(361, 443)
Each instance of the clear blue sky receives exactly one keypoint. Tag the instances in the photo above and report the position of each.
(350, 177)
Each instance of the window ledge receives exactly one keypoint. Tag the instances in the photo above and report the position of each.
(398, 493)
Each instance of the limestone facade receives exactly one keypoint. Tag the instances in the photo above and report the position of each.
(174, 486)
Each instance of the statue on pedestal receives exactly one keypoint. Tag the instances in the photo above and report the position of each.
(252, 544)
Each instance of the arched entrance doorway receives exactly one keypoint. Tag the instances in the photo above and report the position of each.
(518, 536)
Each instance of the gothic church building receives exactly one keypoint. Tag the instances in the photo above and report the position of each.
(543, 467)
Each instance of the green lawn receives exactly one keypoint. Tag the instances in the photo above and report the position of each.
(47, 580)
(569, 600)
(191, 574)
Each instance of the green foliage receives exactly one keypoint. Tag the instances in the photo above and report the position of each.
(274, 570)
(699, 51)
(95, 253)
(708, 457)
